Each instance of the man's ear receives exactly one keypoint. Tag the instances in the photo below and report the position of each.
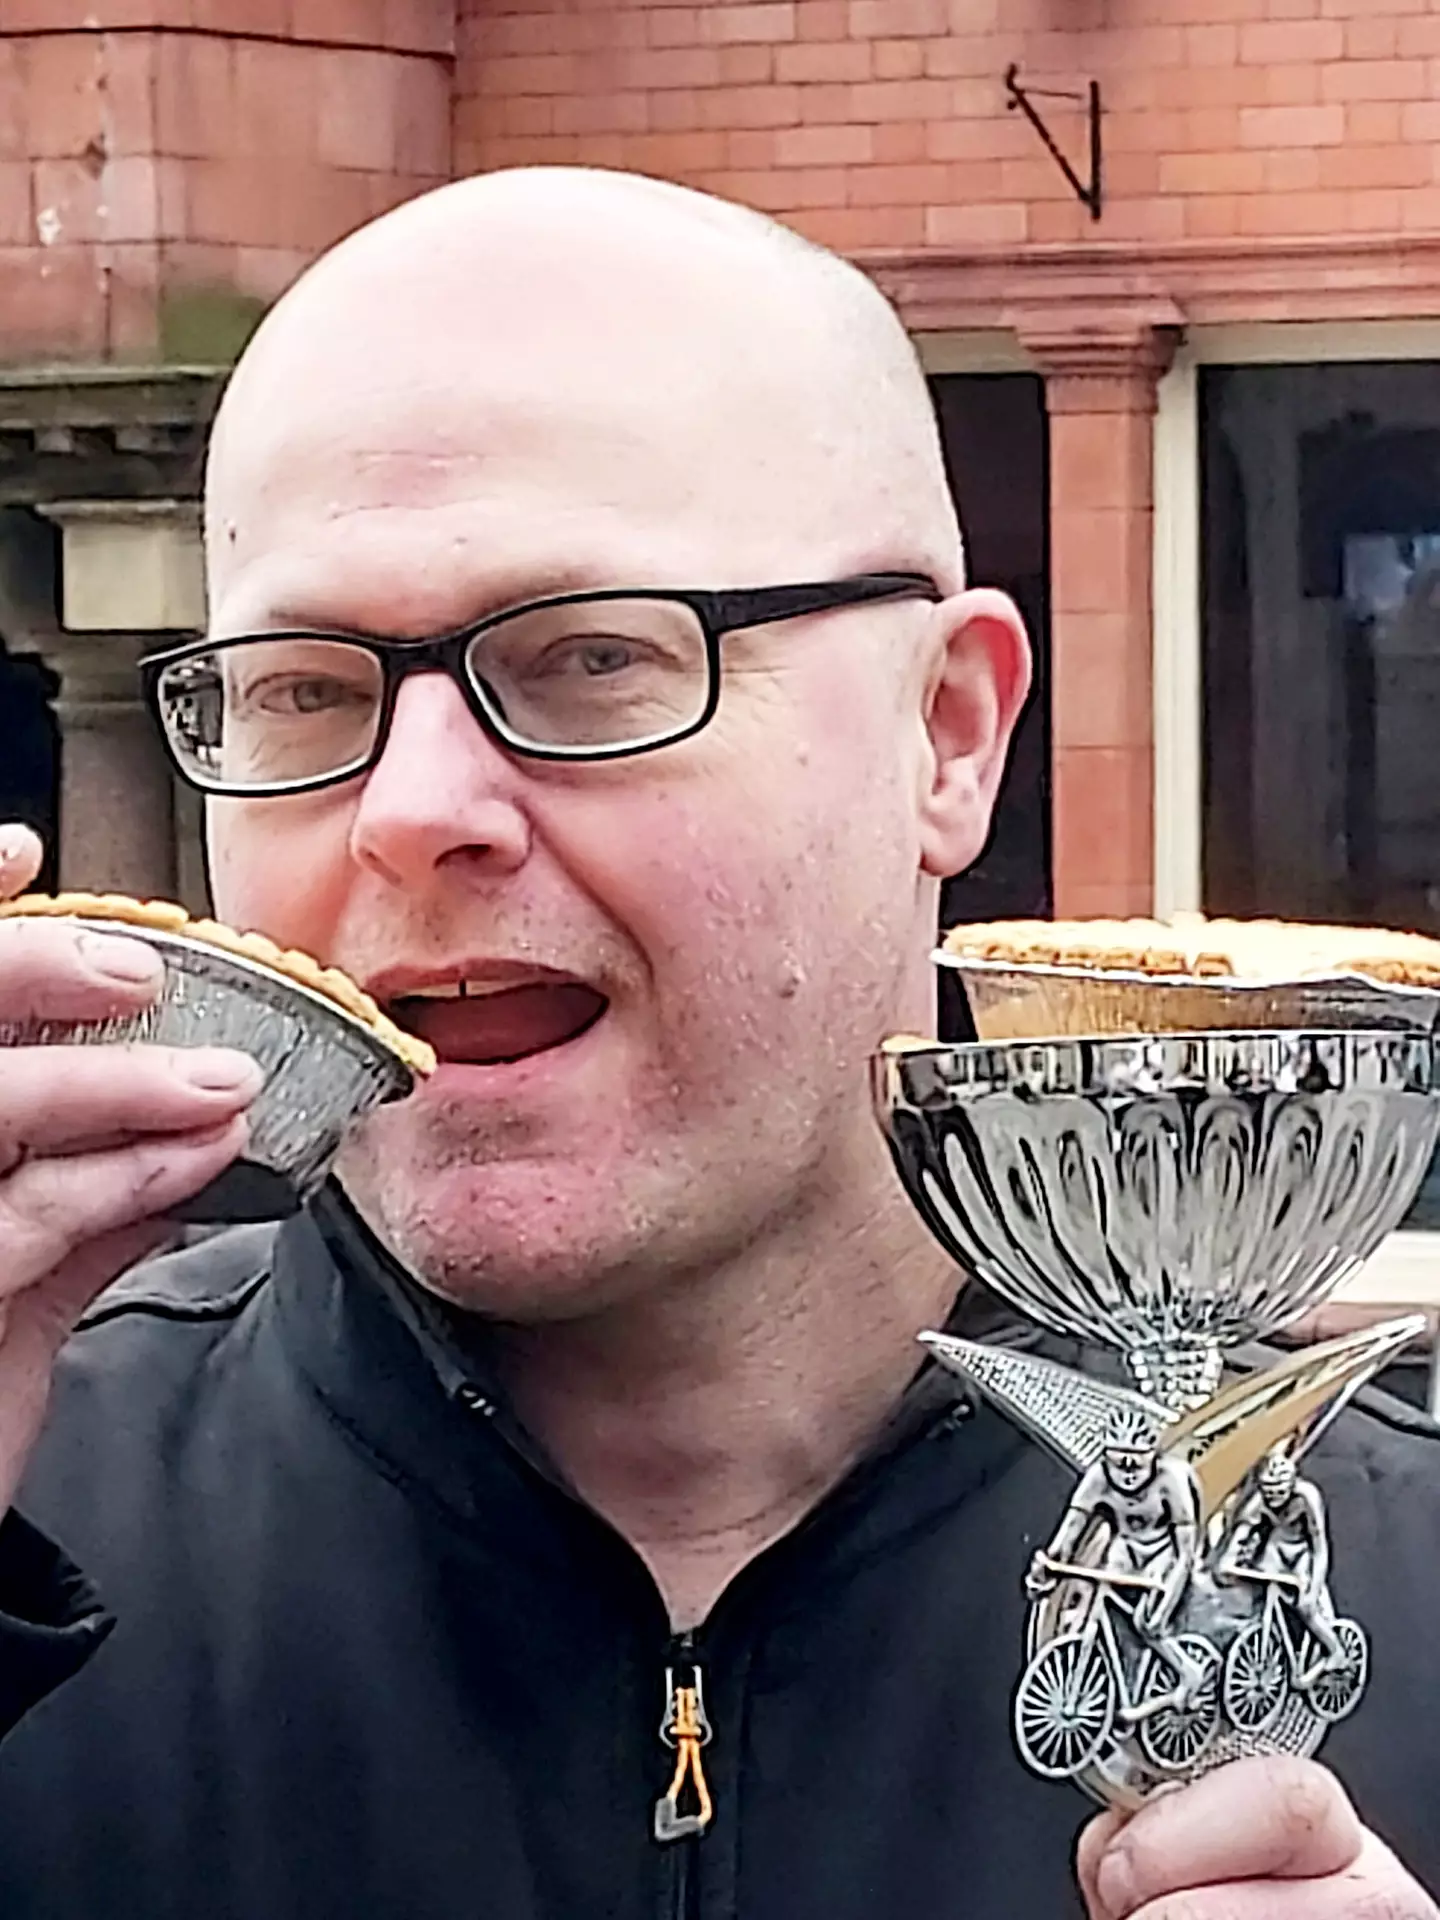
(973, 697)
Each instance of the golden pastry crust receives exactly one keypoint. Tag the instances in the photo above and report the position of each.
(1192, 947)
(164, 916)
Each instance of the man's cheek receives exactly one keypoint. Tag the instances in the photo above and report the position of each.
(273, 869)
(725, 945)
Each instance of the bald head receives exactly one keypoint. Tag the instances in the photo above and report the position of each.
(692, 363)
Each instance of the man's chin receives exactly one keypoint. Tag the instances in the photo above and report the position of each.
(502, 1239)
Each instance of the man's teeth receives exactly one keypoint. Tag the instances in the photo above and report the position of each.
(462, 990)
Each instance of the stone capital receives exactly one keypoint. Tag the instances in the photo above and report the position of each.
(1101, 358)
(130, 565)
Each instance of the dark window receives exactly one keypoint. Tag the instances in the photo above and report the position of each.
(1321, 581)
(1320, 547)
(29, 751)
(996, 440)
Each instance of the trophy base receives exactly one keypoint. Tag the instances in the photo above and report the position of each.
(1180, 1613)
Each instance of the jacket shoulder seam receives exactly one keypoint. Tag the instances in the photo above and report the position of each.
(163, 1306)
(1391, 1412)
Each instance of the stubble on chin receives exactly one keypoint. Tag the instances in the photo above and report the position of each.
(509, 1244)
(394, 1167)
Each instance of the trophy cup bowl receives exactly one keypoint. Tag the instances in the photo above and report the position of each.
(1168, 1196)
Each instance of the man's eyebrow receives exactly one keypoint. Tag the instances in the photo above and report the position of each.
(293, 620)
(296, 615)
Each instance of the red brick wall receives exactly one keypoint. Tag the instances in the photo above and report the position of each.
(873, 123)
(168, 165)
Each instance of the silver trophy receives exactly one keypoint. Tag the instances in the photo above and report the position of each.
(1170, 1200)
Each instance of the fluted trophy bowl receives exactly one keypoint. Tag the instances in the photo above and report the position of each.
(1168, 1196)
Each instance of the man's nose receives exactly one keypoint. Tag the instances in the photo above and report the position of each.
(442, 791)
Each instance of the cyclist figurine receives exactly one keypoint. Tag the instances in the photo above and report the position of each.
(1280, 1533)
(1148, 1506)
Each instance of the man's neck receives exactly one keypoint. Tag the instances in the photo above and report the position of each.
(706, 1423)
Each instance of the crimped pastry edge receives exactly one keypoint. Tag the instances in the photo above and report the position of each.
(165, 916)
(1198, 949)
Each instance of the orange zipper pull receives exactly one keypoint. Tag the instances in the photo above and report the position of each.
(686, 1729)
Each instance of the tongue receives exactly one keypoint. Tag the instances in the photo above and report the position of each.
(504, 1026)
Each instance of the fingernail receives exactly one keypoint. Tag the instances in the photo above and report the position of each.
(13, 842)
(113, 959)
(221, 1070)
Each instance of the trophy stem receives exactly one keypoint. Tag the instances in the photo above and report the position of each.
(1181, 1376)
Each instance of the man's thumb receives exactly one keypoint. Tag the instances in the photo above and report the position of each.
(1094, 1841)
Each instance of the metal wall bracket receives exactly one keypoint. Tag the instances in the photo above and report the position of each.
(1023, 97)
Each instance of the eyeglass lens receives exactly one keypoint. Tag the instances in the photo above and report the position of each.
(591, 674)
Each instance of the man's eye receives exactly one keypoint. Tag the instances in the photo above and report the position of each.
(602, 657)
(302, 696)
(590, 659)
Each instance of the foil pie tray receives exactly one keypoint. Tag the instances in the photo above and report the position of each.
(324, 1069)
(1013, 1002)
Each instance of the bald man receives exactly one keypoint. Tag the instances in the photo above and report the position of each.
(551, 1522)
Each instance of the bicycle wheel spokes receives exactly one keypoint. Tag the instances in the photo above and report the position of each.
(1256, 1678)
(1064, 1706)
(1175, 1737)
(1334, 1694)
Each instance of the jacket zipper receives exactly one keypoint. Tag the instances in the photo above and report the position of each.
(684, 1811)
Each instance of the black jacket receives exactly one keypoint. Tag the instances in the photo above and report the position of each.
(370, 1659)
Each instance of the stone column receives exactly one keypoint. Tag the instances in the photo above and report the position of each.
(117, 821)
(1101, 368)
(131, 582)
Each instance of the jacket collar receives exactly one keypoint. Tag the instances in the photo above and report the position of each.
(408, 1376)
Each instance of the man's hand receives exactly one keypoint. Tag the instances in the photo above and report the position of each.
(1268, 1839)
(1040, 1577)
(97, 1143)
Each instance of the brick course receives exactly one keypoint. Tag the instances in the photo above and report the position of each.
(1215, 110)
(146, 156)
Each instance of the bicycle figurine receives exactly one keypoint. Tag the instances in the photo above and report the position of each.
(1270, 1662)
(1139, 1509)
(1077, 1691)
(1297, 1647)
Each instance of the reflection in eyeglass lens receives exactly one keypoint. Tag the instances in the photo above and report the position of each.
(273, 710)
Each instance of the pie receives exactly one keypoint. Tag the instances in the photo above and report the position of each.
(1190, 947)
(163, 916)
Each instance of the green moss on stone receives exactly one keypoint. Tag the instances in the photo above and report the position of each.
(206, 326)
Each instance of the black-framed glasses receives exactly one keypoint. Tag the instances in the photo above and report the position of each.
(580, 676)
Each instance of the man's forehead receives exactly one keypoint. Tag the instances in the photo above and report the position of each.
(572, 346)
(548, 295)
(508, 488)
(528, 354)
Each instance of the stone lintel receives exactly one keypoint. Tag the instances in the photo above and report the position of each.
(103, 433)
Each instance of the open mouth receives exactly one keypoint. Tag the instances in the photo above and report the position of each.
(482, 1024)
